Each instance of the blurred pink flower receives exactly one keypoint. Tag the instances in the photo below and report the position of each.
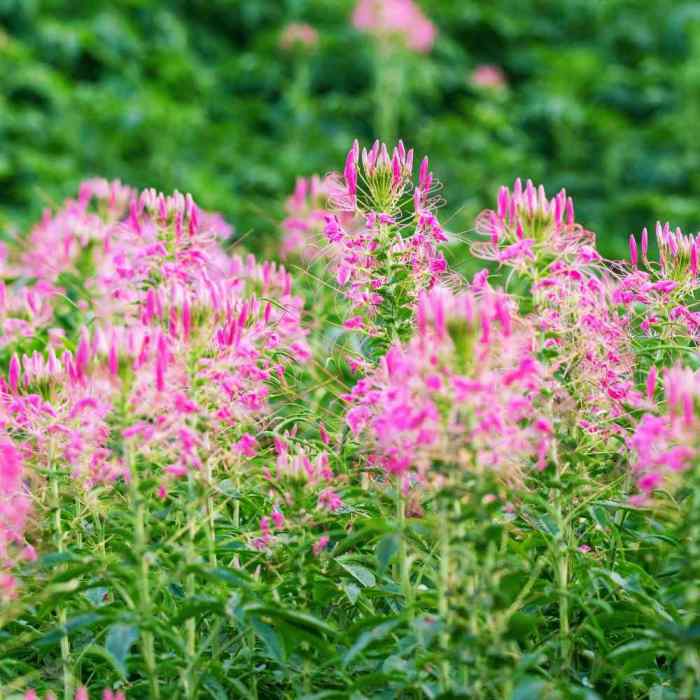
(297, 34)
(400, 18)
(488, 76)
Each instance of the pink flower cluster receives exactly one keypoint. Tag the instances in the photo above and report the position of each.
(385, 235)
(464, 392)
(574, 300)
(526, 224)
(184, 343)
(400, 19)
(665, 444)
(15, 507)
(302, 229)
(661, 296)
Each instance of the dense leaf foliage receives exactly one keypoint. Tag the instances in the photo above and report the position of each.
(598, 97)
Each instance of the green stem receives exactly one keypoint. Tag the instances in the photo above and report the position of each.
(191, 623)
(561, 556)
(210, 519)
(68, 681)
(443, 592)
(404, 570)
(145, 608)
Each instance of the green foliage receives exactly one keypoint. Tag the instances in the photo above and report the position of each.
(602, 99)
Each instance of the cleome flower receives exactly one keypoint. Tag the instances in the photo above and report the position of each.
(464, 392)
(384, 236)
(401, 20)
(665, 443)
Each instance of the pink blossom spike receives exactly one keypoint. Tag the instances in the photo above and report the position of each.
(651, 383)
(633, 250)
(14, 372)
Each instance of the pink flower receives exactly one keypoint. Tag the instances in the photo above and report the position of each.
(402, 19)
(354, 323)
(488, 76)
(320, 545)
(330, 500)
(298, 34)
(247, 445)
(277, 519)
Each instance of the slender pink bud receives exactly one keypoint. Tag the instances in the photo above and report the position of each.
(645, 243)
(694, 259)
(82, 355)
(423, 174)
(14, 373)
(53, 367)
(395, 171)
(113, 356)
(134, 216)
(569, 211)
(502, 202)
(186, 319)
(193, 226)
(383, 161)
(350, 171)
(408, 163)
(633, 251)
(401, 149)
(417, 196)
(161, 362)
(82, 693)
(651, 382)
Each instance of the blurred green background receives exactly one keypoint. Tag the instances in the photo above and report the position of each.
(602, 97)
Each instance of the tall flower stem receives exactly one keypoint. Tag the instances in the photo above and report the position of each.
(561, 547)
(55, 477)
(138, 507)
(443, 592)
(404, 565)
(191, 556)
(691, 536)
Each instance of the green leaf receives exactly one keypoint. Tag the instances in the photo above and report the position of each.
(302, 620)
(369, 637)
(386, 550)
(120, 639)
(529, 688)
(352, 591)
(270, 639)
(363, 575)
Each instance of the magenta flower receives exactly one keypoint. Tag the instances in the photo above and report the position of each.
(396, 19)
(464, 391)
(488, 76)
(320, 544)
(298, 34)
